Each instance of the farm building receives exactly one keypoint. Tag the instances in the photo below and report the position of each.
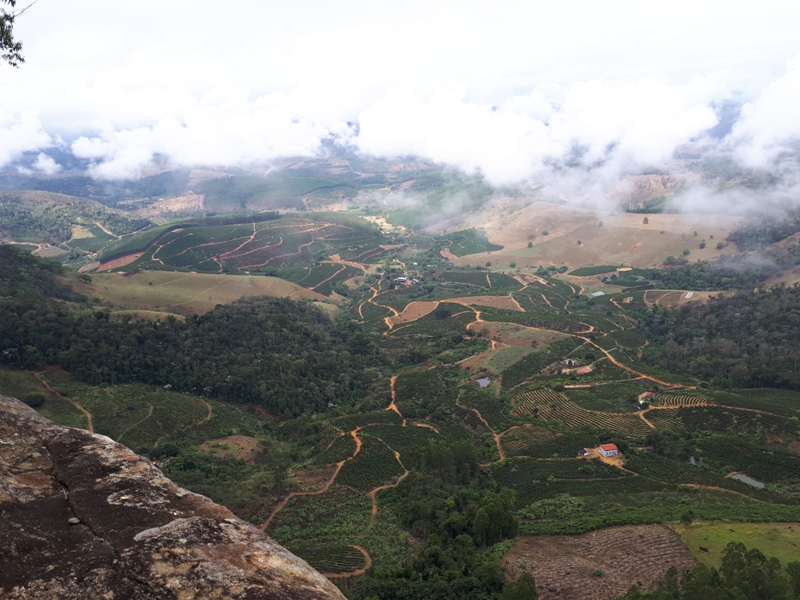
(609, 449)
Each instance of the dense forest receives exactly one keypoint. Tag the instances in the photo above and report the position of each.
(288, 357)
(49, 218)
(761, 232)
(748, 339)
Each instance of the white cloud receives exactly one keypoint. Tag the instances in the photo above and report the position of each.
(771, 123)
(20, 133)
(498, 89)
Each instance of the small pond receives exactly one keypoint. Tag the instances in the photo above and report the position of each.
(484, 381)
(748, 480)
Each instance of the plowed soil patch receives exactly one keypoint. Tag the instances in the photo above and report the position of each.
(412, 312)
(119, 262)
(516, 335)
(563, 566)
(503, 302)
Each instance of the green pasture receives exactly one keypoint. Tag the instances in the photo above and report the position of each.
(707, 541)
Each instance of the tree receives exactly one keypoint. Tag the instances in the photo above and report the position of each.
(523, 588)
(11, 49)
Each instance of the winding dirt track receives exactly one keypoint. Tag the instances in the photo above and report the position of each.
(87, 414)
(208, 416)
(393, 405)
(323, 489)
(373, 493)
(357, 572)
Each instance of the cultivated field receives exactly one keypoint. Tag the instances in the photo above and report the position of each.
(547, 405)
(599, 565)
(192, 293)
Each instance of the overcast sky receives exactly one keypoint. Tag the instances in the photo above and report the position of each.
(503, 88)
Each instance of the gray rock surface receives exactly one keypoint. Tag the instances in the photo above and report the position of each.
(84, 517)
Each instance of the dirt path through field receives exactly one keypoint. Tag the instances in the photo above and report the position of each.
(207, 418)
(106, 231)
(324, 488)
(495, 435)
(327, 279)
(631, 369)
(357, 572)
(337, 259)
(373, 494)
(139, 422)
(86, 413)
(393, 405)
(427, 426)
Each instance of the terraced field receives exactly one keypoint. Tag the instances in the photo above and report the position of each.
(374, 465)
(260, 245)
(547, 405)
(671, 400)
(335, 559)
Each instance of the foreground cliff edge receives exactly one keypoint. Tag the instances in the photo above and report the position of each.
(84, 517)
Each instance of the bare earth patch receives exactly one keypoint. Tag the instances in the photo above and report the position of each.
(503, 302)
(241, 447)
(568, 567)
(414, 311)
(119, 262)
(515, 335)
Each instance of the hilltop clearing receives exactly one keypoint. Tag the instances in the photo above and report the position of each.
(560, 234)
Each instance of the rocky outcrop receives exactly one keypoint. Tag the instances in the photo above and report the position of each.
(84, 517)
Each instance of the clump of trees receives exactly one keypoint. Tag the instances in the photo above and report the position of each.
(744, 575)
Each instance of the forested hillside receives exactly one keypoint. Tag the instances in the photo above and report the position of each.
(749, 339)
(367, 444)
(45, 217)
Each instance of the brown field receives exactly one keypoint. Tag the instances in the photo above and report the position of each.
(46, 251)
(675, 298)
(118, 262)
(504, 302)
(563, 566)
(417, 310)
(177, 204)
(623, 238)
(240, 447)
(186, 293)
(413, 311)
(476, 362)
(516, 335)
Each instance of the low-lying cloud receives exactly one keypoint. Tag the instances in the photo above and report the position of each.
(572, 97)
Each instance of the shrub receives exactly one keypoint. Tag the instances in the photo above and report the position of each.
(35, 400)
